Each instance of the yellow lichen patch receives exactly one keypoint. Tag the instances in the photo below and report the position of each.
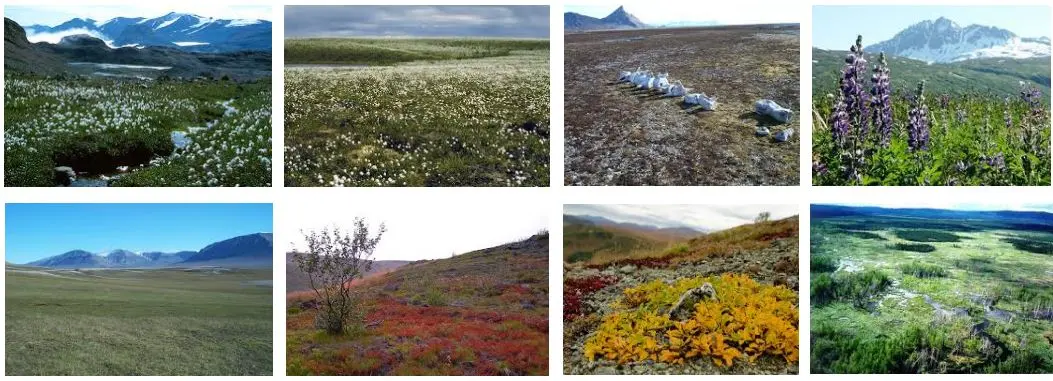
(745, 321)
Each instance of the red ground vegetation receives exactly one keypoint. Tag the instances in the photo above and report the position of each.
(577, 289)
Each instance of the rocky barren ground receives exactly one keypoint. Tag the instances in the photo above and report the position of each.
(618, 136)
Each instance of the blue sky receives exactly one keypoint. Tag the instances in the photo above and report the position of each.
(52, 15)
(836, 27)
(35, 231)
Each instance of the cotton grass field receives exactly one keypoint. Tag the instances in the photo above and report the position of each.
(137, 132)
(441, 116)
(126, 322)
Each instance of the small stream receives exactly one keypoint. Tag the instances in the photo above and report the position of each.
(180, 139)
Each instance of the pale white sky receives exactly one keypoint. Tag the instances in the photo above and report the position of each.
(417, 228)
(52, 15)
(705, 217)
(660, 12)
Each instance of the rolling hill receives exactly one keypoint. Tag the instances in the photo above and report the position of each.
(987, 76)
(296, 280)
(586, 237)
(478, 313)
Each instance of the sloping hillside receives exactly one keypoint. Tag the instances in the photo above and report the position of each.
(989, 76)
(296, 280)
(479, 313)
(597, 243)
(644, 314)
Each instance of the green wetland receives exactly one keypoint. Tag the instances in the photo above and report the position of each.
(924, 294)
(136, 132)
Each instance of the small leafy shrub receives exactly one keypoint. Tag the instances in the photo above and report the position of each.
(678, 249)
(576, 290)
(923, 270)
(823, 264)
(865, 235)
(927, 236)
(915, 247)
(1030, 245)
(579, 256)
(747, 320)
(858, 288)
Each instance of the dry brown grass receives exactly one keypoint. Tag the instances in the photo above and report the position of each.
(618, 136)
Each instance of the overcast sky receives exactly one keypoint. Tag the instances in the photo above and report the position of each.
(513, 21)
(705, 217)
(662, 12)
(52, 15)
(417, 228)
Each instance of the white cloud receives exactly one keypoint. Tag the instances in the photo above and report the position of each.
(54, 38)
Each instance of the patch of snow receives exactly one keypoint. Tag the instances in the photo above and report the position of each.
(201, 21)
(190, 43)
(168, 22)
(241, 22)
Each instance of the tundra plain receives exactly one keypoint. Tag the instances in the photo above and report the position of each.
(616, 135)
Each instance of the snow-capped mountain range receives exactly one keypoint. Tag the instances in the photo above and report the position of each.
(942, 40)
(178, 30)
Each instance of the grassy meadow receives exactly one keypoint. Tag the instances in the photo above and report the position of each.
(171, 322)
(428, 112)
(910, 295)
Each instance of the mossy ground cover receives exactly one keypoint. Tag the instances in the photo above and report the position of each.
(972, 304)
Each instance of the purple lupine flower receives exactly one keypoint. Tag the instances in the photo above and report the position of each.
(945, 101)
(852, 92)
(881, 100)
(918, 130)
(996, 162)
(961, 116)
(840, 125)
(819, 168)
(1007, 116)
(960, 166)
(1033, 97)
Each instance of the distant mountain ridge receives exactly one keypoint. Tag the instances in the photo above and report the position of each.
(183, 31)
(1040, 218)
(683, 231)
(942, 40)
(252, 250)
(619, 19)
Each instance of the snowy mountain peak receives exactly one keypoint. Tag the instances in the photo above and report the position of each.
(943, 40)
